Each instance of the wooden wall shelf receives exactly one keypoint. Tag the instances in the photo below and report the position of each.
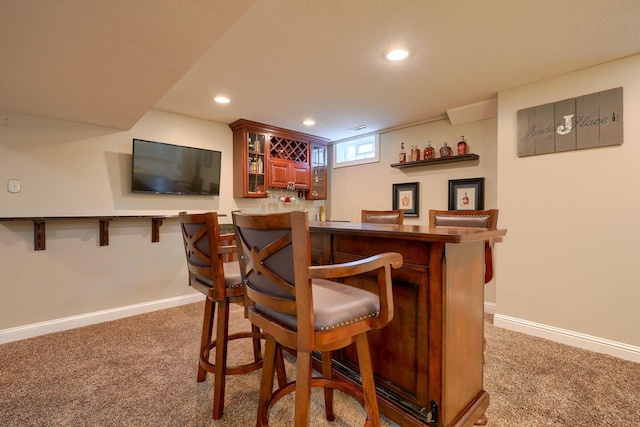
(437, 161)
(39, 240)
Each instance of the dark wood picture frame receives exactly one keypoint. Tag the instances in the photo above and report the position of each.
(406, 197)
(466, 194)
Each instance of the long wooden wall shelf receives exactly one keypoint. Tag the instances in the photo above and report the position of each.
(437, 161)
(39, 240)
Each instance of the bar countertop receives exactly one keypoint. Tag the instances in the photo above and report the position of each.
(410, 232)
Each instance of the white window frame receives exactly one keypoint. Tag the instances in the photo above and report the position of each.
(354, 142)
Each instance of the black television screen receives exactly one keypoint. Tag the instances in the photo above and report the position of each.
(172, 169)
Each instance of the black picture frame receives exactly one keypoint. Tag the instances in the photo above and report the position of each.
(466, 194)
(406, 197)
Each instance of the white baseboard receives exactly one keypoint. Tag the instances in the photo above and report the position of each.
(563, 336)
(66, 323)
(490, 307)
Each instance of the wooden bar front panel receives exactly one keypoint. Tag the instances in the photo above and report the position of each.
(431, 353)
(396, 371)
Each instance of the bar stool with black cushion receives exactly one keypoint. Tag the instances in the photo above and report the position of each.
(306, 308)
(470, 218)
(221, 282)
(383, 217)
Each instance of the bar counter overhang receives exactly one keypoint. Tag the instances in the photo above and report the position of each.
(428, 361)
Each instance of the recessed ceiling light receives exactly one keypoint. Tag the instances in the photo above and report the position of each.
(397, 55)
(222, 99)
(309, 122)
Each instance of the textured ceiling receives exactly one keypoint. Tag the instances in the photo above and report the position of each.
(281, 61)
(102, 62)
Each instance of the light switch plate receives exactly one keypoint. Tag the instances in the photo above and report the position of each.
(13, 186)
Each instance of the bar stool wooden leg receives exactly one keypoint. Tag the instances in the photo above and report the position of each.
(279, 363)
(266, 384)
(328, 391)
(207, 332)
(368, 384)
(257, 350)
(281, 373)
(222, 335)
(303, 388)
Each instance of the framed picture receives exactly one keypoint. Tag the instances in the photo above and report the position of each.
(466, 194)
(405, 196)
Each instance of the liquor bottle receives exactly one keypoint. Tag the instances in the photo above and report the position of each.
(415, 153)
(429, 152)
(462, 145)
(403, 155)
(445, 151)
(260, 165)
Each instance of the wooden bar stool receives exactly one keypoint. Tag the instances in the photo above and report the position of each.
(305, 308)
(221, 282)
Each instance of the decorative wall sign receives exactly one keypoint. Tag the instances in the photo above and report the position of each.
(589, 121)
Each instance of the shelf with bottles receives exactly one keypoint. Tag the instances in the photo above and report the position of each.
(256, 163)
(255, 152)
(250, 148)
(318, 190)
(429, 155)
(437, 161)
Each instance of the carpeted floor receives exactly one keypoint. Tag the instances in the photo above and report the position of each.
(140, 371)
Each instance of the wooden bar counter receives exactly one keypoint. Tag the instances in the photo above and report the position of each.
(428, 361)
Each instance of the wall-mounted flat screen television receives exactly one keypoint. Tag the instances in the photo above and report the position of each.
(162, 168)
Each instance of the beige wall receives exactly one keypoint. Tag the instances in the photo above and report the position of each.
(72, 169)
(69, 168)
(370, 186)
(568, 265)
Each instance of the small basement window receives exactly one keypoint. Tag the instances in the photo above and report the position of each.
(356, 151)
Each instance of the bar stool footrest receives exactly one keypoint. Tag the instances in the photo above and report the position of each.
(237, 369)
(315, 382)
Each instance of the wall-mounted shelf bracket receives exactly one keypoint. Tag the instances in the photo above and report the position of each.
(39, 226)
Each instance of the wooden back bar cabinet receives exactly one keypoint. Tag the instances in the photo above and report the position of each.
(428, 362)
